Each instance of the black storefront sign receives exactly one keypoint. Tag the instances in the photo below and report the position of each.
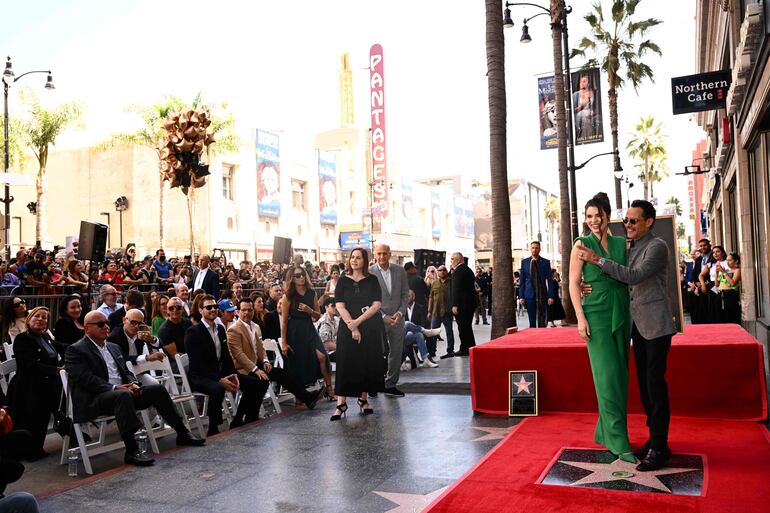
(705, 91)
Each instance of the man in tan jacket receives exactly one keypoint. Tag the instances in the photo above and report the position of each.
(244, 340)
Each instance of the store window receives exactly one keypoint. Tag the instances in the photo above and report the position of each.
(298, 195)
(759, 156)
(732, 243)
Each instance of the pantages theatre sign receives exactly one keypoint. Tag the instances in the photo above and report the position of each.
(705, 91)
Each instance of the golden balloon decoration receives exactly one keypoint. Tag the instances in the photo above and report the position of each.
(182, 147)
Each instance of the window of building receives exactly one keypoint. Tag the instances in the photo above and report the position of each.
(733, 240)
(758, 157)
(228, 172)
(298, 194)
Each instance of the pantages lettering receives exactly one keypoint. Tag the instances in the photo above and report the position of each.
(379, 153)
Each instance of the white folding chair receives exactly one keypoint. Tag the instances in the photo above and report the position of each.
(7, 370)
(230, 403)
(8, 349)
(166, 376)
(274, 345)
(94, 448)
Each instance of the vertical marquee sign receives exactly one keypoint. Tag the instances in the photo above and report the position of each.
(379, 154)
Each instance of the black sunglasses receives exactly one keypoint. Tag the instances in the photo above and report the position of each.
(630, 220)
(134, 322)
(299, 275)
(174, 308)
(21, 302)
(100, 324)
(210, 307)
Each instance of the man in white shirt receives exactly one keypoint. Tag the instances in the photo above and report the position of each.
(131, 337)
(204, 278)
(109, 300)
(183, 292)
(103, 385)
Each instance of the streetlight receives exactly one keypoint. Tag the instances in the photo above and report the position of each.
(109, 228)
(121, 204)
(526, 38)
(9, 77)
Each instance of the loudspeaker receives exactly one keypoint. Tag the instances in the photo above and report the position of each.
(281, 250)
(92, 242)
(424, 258)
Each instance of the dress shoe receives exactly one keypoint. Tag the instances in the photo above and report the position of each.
(654, 460)
(236, 423)
(431, 332)
(189, 439)
(213, 430)
(486, 323)
(450, 354)
(642, 451)
(462, 353)
(372, 394)
(394, 392)
(138, 459)
(313, 398)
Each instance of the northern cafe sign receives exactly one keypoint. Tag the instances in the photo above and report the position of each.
(705, 91)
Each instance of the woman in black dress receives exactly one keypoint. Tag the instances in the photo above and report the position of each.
(69, 327)
(556, 310)
(35, 390)
(360, 366)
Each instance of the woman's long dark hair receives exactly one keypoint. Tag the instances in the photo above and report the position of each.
(63, 307)
(291, 290)
(601, 202)
(365, 256)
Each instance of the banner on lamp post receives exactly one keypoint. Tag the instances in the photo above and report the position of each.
(587, 106)
(268, 175)
(378, 134)
(327, 186)
(546, 95)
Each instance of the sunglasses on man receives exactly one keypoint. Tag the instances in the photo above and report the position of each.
(630, 220)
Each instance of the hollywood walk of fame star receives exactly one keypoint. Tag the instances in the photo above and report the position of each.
(523, 385)
(493, 433)
(410, 502)
(623, 470)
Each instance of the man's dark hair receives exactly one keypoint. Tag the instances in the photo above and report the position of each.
(648, 210)
(535, 242)
(245, 300)
(706, 241)
(329, 300)
(134, 298)
(206, 297)
(409, 266)
(157, 251)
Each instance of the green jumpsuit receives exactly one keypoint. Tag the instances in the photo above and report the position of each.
(606, 309)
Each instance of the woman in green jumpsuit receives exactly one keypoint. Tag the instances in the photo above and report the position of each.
(604, 323)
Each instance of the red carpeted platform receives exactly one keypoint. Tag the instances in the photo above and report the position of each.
(736, 459)
(714, 371)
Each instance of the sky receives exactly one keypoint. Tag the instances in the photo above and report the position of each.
(276, 64)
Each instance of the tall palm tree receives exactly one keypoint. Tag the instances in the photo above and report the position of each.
(673, 200)
(617, 44)
(552, 213)
(648, 147)
(16, 155)
(39, 131)
(503, 315)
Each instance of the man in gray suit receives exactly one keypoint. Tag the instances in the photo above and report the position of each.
(395, 291)
(652, 323)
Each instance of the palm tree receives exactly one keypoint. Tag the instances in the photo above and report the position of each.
(673, 200)
(552, 213)
(648, 146)
(503, 315)
(16, 155)
(39, 131)
(617, 45)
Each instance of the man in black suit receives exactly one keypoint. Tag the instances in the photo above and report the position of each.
(212, 371)
(464, 302)
(131, 342)
(134, 299)
(204, 278)
(103, 385)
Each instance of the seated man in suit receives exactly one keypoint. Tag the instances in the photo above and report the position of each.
(244, 339)
(414, 333)
(212, 371)
(131, 342)
(103, 385)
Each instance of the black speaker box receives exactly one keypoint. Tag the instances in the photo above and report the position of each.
(424, 258)
(92, 242)
(281, 250)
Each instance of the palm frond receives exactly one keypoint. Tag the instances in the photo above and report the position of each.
(648, 45)
(618, 11)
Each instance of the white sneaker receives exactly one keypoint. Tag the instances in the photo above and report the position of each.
(431, 333)
(429, 364)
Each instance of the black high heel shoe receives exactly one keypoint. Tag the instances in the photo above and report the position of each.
(342, 409)
(365, 411)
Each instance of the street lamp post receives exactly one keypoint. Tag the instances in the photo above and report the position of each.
(109, 228)
(9, 78)
(121, 204)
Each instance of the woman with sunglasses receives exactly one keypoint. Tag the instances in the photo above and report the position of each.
(14, 313)
(305, 355)
(69, 326)
(360, 365)
(431, 275)
(604, 322)
(35, 390)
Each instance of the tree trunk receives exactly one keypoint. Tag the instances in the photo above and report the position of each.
(565, 228)
(503, 301)
(161, 205)
(612, 94)
(647, 181)
(41, 188)
(190, 195)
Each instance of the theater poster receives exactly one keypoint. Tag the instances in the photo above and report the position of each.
(587, 106)
(268, 175)
(546, 95)
(435, 200)
(463, 217)
(327, 186)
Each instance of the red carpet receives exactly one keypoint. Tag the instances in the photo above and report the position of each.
(714, 371)
(736, 456)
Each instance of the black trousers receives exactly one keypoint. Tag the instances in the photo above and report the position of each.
(124, 406)
(253, 391)
(14, 446)
(286, 380)
(465, 329)
(651, 356)
(216, 393)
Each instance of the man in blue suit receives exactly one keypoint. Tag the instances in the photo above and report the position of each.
(536, 290)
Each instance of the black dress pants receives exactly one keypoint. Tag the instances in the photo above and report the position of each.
(14, 446)
(216, 393)
(465, 329)
(286, 380)
(123, 405)
(651, 356)
(252, 392)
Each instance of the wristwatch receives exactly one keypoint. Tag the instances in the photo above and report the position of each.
(601, 261)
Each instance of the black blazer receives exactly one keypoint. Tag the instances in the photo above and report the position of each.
(36, 384)
(203, 356)
(88, 375)
(67, 333)
(464, 290)
(419, 314)
(210, 283)
(119, 338)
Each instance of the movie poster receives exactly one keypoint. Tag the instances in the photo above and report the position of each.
(546, 95)
(268, 175)
(587, 106)
(463, 217)
(435, 198)
(327, 186)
